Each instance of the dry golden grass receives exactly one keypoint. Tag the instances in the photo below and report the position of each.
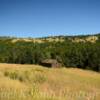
(34, 82)
(37, 40)
(91, 39)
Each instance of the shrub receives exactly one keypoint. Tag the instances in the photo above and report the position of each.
(13, 75)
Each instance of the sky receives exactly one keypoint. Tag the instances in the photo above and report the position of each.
(38, 18)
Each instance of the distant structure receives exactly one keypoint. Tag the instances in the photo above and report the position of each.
(53, 63)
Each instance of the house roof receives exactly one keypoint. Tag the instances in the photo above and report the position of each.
(49, 61)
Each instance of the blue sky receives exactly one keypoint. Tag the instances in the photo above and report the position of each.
(36, 18)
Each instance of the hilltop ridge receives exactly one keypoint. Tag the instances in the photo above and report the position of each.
(78, 38)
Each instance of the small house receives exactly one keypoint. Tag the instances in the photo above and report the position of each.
(51, 63)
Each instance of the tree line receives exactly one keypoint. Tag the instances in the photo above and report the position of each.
(70, 54)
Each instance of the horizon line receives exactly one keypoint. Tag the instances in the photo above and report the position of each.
(50, 35)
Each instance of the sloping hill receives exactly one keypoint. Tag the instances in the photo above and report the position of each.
(33, 82)
(75, 51)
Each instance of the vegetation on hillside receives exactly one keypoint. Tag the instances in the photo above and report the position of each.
(65, 49)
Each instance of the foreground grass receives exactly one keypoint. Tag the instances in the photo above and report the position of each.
(33, 82)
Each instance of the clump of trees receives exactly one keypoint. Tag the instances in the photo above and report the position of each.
(70, 54)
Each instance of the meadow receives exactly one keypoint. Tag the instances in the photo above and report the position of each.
(35, 82)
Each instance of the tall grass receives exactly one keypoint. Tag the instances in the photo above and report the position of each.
(33, 82)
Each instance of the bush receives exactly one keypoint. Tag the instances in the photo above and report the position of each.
(13, 75)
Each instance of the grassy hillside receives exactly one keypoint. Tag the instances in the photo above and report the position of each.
(33, 82)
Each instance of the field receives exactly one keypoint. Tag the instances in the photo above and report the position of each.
(34, 82)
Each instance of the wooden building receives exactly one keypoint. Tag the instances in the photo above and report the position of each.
(51, 63)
